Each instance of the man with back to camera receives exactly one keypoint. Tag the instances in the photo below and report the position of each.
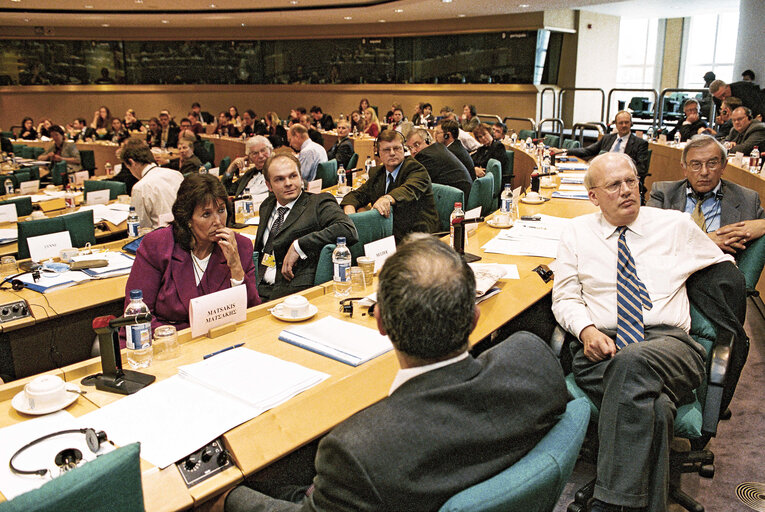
(442, 166)
(401, 185)
(310, 153)
(313, 133)
(746, 133)
(450, 420)
(295, 226)
(342, 150)
(447, 133)
(633, 355)
(750, 95)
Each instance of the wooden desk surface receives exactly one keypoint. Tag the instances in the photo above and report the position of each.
(103, 151)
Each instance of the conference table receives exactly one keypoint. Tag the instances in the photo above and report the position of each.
(272, 435)
(103, 151)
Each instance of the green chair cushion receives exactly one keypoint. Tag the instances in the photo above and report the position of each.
(353, 161)
(495, 168)
(481, 194)
(80, 227)
(223, 166)
(445, 197)
(115, 188)
(327, 172)
(23, 205)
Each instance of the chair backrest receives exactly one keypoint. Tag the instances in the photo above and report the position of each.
(18, 148)
(353, 161)
(571, 144)
(23, 205)
(80, 227)
(88, 159)
(525, 134)
(110, 482)
(534, 483)
(370, 226)
(510, 170)
(58, 173)
(481, 194)
(445, 197)
(327, 171)
(210, 148)
(28, 152)
(224, 164)
(34, 172)
(494, 167)
(37, 151)
(552, 140)
(115, 188)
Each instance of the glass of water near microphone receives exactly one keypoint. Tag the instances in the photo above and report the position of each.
(142, 347)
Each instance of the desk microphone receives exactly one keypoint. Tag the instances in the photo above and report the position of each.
(111, 322)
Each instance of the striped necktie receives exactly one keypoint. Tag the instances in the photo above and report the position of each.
(631, 297)
(697, 214)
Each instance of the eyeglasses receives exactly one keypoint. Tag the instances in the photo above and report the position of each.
(711, 165)
(613, 188)
(392, 150)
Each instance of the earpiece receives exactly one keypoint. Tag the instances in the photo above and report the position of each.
(65, 459)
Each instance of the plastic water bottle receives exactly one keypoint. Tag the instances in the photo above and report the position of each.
(132, 223)
(248, 206)
(341, 261)
(677, 138)
(754, 160)
(514, 139)
(506, 200)
(368, 164)
(457, 215)
(138, 336)
(8, 184)
(341, 179)
(108, 168)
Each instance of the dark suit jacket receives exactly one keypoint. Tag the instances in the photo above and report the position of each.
(745, 142)
(189, 165)
(236, 188)
(738, 203)
(636, 148)
(686, 130)
(172, 137)
(315, 136)
(415, 208)
(165, 274)
(445, 168)
(342, 151)
(463, 156)
(325, 123)
(314, 221)
(750, 95)
(436, 435)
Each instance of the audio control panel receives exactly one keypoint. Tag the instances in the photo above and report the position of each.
(200, 465)
(13, 311)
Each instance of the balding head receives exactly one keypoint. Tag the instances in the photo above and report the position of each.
(612, 184)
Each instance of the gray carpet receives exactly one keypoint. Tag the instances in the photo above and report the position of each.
(739, 447)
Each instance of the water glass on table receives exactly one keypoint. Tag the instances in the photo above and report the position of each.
(165, 343)
(8, 266)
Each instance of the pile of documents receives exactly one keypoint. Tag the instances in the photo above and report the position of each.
(570, 191)
(530, 238)
(118, 264)
(116, 213)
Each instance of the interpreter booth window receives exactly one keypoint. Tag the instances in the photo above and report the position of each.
(709, 45)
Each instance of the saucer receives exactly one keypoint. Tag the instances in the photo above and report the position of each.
(312, 310)
(499, 225)
(532, 201)
(21, 404)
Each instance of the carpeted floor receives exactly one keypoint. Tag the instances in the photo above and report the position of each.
(739, 447)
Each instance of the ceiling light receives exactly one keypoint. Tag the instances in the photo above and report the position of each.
(165, 21)
(381, 21)
(446, 1)
(244, 24)
(15, 0)
(26, 19)
(348, 17)
(461, 15)
(294, 2)
(88, 6)
(398, 10)
(104, 25)
(523, 6)
(212, 6)
(139, 1)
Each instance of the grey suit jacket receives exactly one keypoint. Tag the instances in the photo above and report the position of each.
(738, 203)
(636, 148)
(436, 435)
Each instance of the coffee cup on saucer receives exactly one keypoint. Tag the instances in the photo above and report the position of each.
(45, 391)
(294, 306)
(533, 196)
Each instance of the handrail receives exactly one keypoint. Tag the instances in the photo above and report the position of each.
(599, 126)
(530, 121)
(575, 89)
(608, 102)
(542, 100)
(658, 118)
(495, 116)
(557, 120)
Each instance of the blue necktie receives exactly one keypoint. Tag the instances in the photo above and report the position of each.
(389, 185)
(631, 297)
(618, 145)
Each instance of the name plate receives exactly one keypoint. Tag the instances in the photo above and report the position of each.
(8, 213)
(216, 309)
(98, 197)
(44, 247)
(80, 177)
(29, 187)
(380, 250)
(314, 187)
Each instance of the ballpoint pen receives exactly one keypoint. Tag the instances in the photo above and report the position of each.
(223, 350)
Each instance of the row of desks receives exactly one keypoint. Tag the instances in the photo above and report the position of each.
(103, 152)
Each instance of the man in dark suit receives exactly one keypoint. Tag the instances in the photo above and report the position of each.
(730, 214)
(169, 134)
(442, 165)
(294, 227)
(204, 116)
(447, 132)
(342, 150)
(321, 120)
(401, 185)
(750, 95)
(747, 133)
(450, 420)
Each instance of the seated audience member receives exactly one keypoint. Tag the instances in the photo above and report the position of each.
(469, 119)
(342, 150)
(199, 147)
(154, 133)
(447, 132)
(225, 127)
(400, 185)
(101, 120)
(313, 133)
(364, 105)
(236, 120)
(321, 120)
(371, 124)
(204, 117)
(442, 166)
(196, 126)
(170, 117)
(417, 113)
(79, 131)
(746, 133)
(132, 123)
(154, 194)
(467, 139)
(117, 133)
(250, 124)
(747, 75)
(188, 161)
(294, 227)
(750, 95)
(426, 118)
(61, 150)
(247, 171)
(195, 255)
(168, 134)
(389, 115)
(397, 119)
(27, 131)
(499, 131)
(6, 146)
(489, 149)
(43, 129)
(631, 145)
(723, 120)
(633, 355)
(450, 420)
(310, 153)
(357, 122)
(692, 123)
(275, 132)
(730, 214)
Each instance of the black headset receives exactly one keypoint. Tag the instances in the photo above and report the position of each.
(66, 459)
(377, 144)
(16, 284)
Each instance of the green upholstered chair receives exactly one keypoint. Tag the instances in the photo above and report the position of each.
(534, 483)
(80, 227)
(27, 152)
(510, 171)
(37, 151)
(481, 194)
(225, 162)
(552, 140)
(17, 177)
(58, 173)
(571, 144)
(445, 197)
(494, 168)
(525, 134)
(327, 172)
(7, 135)
(18, 148)
(88, 160)
(210, 148)
(110, 482)
(115, 188)
(34, 172)
(370, 226)
(23, 205)
(353, 161)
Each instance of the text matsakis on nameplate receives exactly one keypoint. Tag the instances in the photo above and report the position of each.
(216, 309)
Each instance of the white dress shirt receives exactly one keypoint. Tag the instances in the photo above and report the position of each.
(467, 140)
(269, 276)
(405, 374)
(154, 194)
(667, 247)
(624, 140)
(311, 154)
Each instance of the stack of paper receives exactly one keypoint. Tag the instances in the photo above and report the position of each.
(572, 177)
(53, 281)
(343, 341)
(574, 166)
(115, 214)
(8, 235)
(530, 238)
(571, 191)
(119, 264)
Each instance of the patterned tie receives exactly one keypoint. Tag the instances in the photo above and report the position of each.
(618, 146)
(698, 215)
(631, 297)
(389, 185)
(277, 225)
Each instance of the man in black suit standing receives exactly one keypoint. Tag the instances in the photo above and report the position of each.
(342, 150)
(294, 227)
(447, 132)
(444, 168)
(450, 420)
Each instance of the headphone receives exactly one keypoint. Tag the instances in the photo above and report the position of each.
(16, 284)
(346, 305)
(377, 144)
(65, 459)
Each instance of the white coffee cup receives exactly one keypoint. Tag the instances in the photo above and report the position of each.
(532, 196)
(546, 181)
(37, 214)
(294, 306)
(45, 391)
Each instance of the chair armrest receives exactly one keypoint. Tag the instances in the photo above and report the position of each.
(718, 368)
(557, 340)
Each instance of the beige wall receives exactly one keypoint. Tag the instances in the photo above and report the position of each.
(673, 41)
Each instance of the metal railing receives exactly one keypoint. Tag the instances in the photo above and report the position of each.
(658, 119)
(542, 101)
(563, 92)
(611, 92)
(493, 116)
(554, 120)
(525, 119)
(600, 127)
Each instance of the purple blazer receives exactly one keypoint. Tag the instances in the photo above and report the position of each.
(165, 274)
